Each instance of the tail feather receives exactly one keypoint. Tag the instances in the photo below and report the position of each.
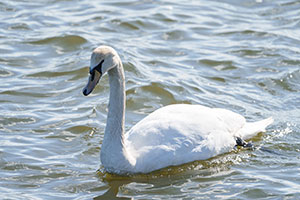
(252, 128)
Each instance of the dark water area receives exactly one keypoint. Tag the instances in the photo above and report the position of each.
(240, 55)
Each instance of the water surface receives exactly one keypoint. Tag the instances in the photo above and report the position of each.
(238, 55)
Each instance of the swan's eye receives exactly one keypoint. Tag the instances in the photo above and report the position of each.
(92, 75)
(99, 67)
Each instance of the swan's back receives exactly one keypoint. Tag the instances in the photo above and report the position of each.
(182, 133)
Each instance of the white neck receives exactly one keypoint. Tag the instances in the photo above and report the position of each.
(113, 153)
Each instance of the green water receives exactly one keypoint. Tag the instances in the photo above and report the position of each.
(240, 55)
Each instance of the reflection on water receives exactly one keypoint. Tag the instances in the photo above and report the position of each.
(113, 190)
(176, 181)
(242, 56)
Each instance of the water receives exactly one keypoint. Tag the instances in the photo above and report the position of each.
(239, 55)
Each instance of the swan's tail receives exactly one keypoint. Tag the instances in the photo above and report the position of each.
(252, 128)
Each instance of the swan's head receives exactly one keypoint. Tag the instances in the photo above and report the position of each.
(103, 59)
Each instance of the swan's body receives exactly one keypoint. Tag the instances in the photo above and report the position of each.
(171, 135)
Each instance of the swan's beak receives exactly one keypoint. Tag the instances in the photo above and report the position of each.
(92, 82)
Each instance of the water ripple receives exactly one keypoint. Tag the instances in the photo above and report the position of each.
(243, 56)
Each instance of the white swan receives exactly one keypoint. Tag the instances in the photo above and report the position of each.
(171, 135)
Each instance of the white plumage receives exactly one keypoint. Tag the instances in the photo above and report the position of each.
(171, 135)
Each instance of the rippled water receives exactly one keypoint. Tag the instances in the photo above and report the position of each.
(239, 55)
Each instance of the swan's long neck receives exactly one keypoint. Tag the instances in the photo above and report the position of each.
(116, 107)
(113, 151)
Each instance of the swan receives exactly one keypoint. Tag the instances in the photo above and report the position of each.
(172, 135)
